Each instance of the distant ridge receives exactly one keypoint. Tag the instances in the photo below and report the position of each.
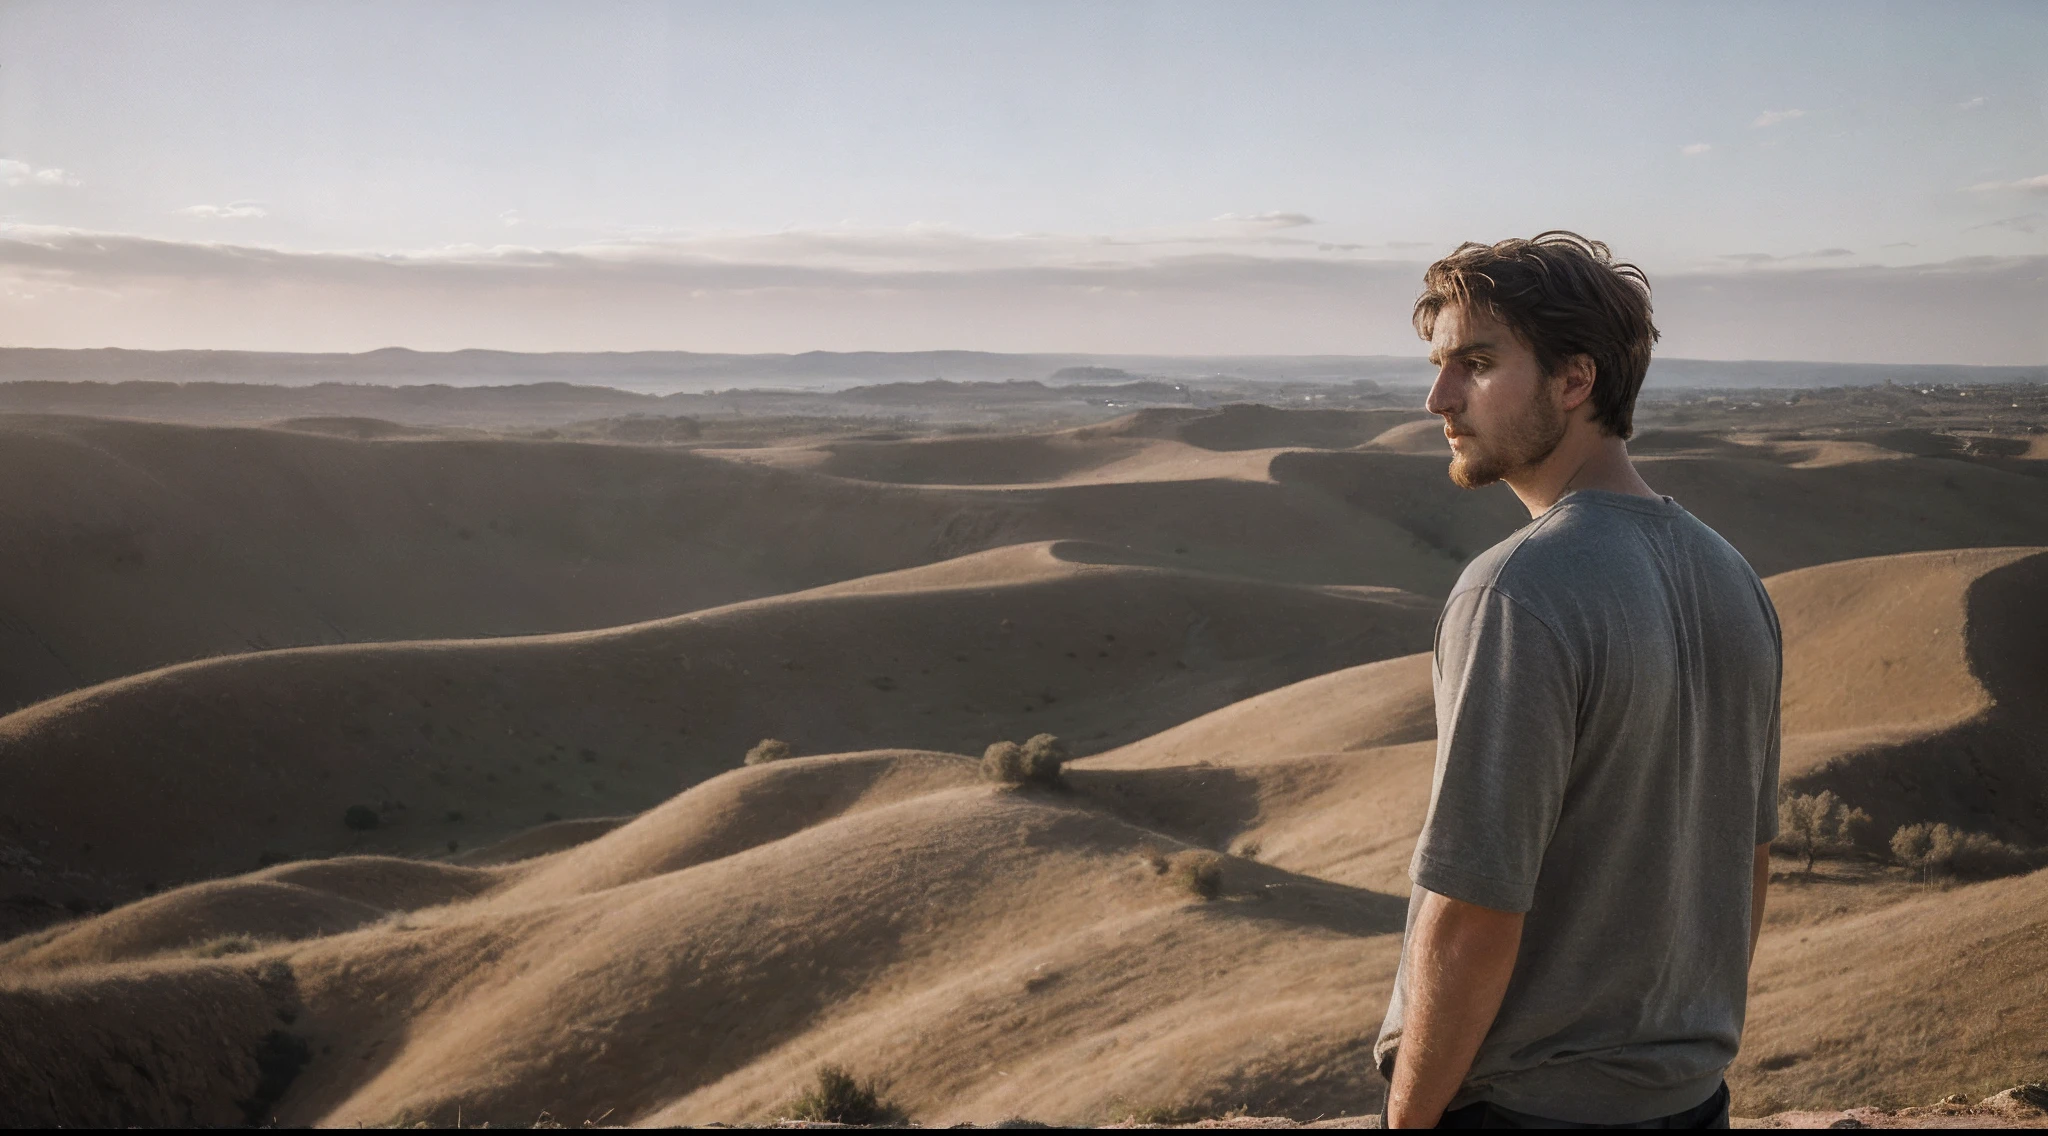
(667, 372)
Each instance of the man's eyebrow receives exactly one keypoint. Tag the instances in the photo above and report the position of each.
(1437, 357)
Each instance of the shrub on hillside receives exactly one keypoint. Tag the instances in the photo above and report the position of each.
(1817, 824)
(1198, 872)
(1044, 754)
(1004, 762)
(226, 945)
(1938, 850)
(362, 818)
(769, 749)
(837, 1098)
(1036, 762)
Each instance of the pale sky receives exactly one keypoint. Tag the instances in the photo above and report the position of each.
(1838, 181)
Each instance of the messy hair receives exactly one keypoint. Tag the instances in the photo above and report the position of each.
(1563, 295)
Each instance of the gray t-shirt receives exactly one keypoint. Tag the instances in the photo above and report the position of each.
(1607, 760)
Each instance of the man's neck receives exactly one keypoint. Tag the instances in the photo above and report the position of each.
(1586, 459)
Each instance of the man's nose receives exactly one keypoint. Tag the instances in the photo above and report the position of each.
(1442, 394)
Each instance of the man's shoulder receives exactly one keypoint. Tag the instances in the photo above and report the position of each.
(1590, 550)
(1551, 551)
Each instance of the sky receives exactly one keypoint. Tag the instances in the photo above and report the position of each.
(1855, 182)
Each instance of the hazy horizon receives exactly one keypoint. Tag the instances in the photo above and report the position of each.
(1192, 179)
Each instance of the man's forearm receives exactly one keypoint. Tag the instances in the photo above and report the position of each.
(1460, 957)
(1760, 885)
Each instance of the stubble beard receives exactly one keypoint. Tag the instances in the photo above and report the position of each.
(1527, 440)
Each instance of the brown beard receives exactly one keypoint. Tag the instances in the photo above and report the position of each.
(1527, 440)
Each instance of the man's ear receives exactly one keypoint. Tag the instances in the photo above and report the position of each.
(1575, 384)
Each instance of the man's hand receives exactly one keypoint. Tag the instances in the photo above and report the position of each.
(1460, 957)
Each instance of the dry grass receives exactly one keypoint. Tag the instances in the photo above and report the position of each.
(224, 945)
(1198, 872)
(837, 1097)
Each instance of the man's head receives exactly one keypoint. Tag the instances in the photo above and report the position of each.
(1532, 340)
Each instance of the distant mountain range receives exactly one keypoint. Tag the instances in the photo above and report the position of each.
(671, 372)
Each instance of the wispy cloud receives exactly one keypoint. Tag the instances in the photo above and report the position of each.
(1696, 148)
(2022, 185)
(511, 219)
(930, 286)
(1774, 117)
(1767, 258)
(2024, 223)
(1971, 104)
(1268, 220)
(232, 211)
(911, 256)
(15, 173)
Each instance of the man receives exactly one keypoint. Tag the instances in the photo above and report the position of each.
(1590, 877)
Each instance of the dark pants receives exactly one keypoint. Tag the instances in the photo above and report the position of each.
(1712, 1114)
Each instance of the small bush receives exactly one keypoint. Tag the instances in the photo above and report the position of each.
(1036, 762)
(362, 818)
(837, 1098)
(1044, 754)
(1938, 850)
(769, 749)
(1154, 1115)
(1198, 872)
(1004, 762)
(226, 945)
(1817, 824)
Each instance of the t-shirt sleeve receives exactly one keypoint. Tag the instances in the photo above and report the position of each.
(1767, 778)
(1507, 702)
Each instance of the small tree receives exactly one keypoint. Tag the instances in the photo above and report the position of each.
(1935, 849)
(769, 749)
(1817, 824)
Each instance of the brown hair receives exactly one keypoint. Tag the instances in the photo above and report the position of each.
(1563, 295)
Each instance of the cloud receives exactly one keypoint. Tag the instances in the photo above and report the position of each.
(18, 173)
(926, 287)
(2022, 185)
(232, 211)
(2024, 223)
(1696, 148)
(1268, 220)
(1774, 117)
(1767, 258)
(511, 219)
(1900, 245)
(1971, 104)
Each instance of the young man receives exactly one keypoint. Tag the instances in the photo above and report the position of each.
(1591, 875)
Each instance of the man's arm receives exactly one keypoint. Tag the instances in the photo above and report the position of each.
(1460, 956)
(1757, 889)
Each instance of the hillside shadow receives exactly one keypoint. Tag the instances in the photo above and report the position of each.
(1204, 805)
(1269, 895)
